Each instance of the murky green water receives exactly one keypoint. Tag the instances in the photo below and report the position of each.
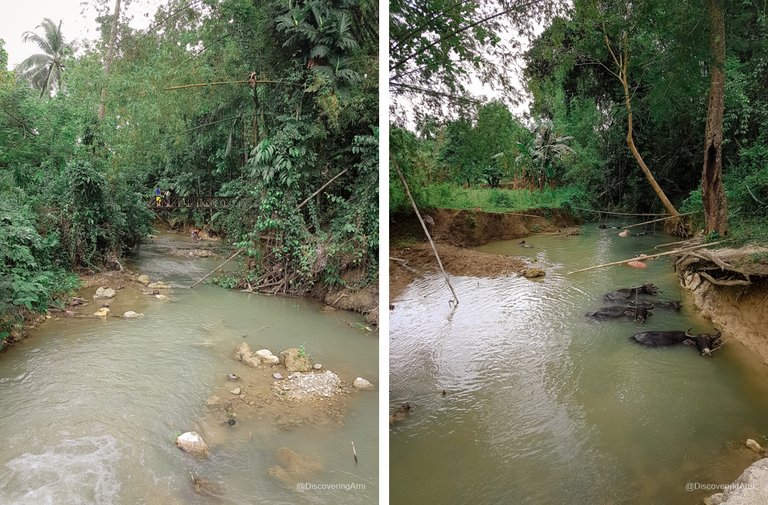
(90, 408)
(545, 406)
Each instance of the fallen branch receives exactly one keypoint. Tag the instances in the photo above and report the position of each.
(426, 232)
(657, 220)
(724, 282)
(404, 263)
(322, 188)
(643, 257)
(215, 269)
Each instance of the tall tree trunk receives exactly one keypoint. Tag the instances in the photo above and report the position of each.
(621, 62)
(108, 59)
(715, 205)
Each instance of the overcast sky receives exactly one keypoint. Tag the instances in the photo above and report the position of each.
(78, 19)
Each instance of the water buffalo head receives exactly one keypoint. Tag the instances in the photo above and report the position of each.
(649, 289)
(704, 342)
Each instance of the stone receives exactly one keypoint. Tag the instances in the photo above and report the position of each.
(277, 376)
(235, 391)
(159, 285)
(295, 361)
(103, 292)
(243, 353)
(193, 443)
(361, 383)
(533, 273)
(232, 377)
(161, 297)
(144, 279)
(752, 444)
(266, 357)
(751, 488)
(102, 312)
(131, 314)
(317, 366)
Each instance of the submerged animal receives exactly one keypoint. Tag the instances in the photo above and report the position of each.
(656, 304)
(627, 293)
(639, 313)
(704, 342)
(400, 413)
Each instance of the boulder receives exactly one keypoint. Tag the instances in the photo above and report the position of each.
(243, 353)
(294, 360)
(533, 273)
(752, 444)
(144, 279)
(103, 292)
(192, 442)
(131, 314)
(751, 488)
(361, 383)
(266, 357)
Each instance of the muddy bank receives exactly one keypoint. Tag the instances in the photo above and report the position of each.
(455, 230)
(737, 306)
(470, 228)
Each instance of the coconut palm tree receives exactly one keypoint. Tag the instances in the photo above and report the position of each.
(43, 71)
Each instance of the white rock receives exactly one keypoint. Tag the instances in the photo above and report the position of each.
(102, 312)
(191, 441)
(264, 353)
(235, 391)
(361, 383)
(317, 366)
(751, 488)
(158, 285)
(161, 297)
(277, 376)
(103, 292)
(752, 444)
(144, 279)
(131, 314)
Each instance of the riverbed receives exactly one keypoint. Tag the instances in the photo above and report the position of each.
(92, 407)
(543, 405)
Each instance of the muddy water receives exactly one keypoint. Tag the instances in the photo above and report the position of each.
(545, 406)
(90, 408)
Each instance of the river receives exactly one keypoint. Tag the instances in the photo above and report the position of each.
(543, 405)
(91, 408)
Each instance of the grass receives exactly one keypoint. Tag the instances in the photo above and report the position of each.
(446, 196)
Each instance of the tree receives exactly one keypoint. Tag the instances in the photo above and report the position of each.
(108, 59)
(44, 70)
(715, 205)
(437, 47)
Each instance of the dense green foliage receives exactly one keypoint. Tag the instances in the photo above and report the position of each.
(576, 133)
(297, 104)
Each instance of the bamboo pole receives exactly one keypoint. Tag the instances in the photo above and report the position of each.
(215, 269)
(661, 246)
(426, 232)
(322, 187)
(643, 258)
(656, 220)
(217, 83)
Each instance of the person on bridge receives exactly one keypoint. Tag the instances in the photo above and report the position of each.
(158, 196)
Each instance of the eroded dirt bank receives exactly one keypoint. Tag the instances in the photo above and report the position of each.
(737, 300)
(454, 230)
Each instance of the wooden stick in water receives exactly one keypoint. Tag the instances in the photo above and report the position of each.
(215, 269)
(643, 258)
(656, 220)
(354, 452)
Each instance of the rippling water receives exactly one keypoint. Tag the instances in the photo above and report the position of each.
(90, 408)
(543, 405)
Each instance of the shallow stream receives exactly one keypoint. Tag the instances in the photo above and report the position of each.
(91, 408)
(543, 405)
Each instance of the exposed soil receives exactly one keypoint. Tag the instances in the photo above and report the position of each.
(739, 310)
(453, 231)
(358, 295)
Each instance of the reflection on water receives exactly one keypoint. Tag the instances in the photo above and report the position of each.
(91, 408)
(543, 405)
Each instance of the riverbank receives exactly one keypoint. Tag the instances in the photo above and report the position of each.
(454, 231)
(730, 287)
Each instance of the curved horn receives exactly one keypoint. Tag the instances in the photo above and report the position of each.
(689, 334)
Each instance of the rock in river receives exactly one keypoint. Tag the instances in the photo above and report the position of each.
(361, 383)
(751, 488)
(103, 292)
(131, 314)
(192, 442)
(266, 357)
(144, 279)
(295, 360)
(752, 444)
(102, 312)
